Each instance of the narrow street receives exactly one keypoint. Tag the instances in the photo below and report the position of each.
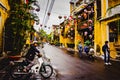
(68, 66)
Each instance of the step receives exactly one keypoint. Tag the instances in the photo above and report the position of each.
(117, 48)
(117, 45)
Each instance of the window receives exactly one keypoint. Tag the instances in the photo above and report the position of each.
(98, 3)
(114, 31)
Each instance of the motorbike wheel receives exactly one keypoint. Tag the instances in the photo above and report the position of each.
(46, 71)
(16, 71)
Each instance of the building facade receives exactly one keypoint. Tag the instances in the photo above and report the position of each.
(94, 22)
(107, 23)
(4, 8)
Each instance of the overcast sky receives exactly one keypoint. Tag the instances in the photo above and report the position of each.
(60, 8)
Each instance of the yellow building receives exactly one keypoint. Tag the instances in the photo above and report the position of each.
(4, 8)
(107, 25)
(101, 15)
(83, 17)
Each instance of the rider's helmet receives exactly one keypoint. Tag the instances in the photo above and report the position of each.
(35, 43)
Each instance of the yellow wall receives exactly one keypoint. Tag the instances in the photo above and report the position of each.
(112, 3)
(101, 29)
(3, 18)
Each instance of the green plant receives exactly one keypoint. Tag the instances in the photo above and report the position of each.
(18, 25)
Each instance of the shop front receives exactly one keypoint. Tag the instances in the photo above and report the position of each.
(114, 38)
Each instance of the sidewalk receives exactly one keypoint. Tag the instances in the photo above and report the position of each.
(101, 57)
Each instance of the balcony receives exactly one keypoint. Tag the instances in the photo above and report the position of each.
(81, 4)
(3, 7)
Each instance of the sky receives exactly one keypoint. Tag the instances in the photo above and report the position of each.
(59, 8)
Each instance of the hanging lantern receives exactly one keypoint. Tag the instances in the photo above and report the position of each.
(48, 27)
(37, 9)
(75, 21)
(90, 28)
(65, 17)
(89, 7)
(71, 29)
(68, 35)
(70, 18)
(26, 1)
(90, 36)
(40, 25)
(85, 10)
(85, 24)
(90, 21)
(48, 14)
(85, 15)
(60, 17)
(62, 27)
(79, 17)
(89, 12)
(85, 33)
(71, 37)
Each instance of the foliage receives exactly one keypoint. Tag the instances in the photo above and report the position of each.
(18, 25)
(44, 35)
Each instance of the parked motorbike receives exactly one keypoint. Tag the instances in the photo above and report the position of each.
(42, 66)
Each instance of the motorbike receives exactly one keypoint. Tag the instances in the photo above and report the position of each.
(41, 66)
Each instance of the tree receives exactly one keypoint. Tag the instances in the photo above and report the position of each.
(44, 35)
(17, 25)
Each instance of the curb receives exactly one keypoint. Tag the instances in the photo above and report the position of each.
(101, 57)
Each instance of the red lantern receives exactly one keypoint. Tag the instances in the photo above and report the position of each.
(70, 18)
(90, 36)
(48, 14)
(72, 29)
(71, 37)
(85, 15)
(85, 10)
(40, 25)
(85, 24)
(75, 21)
(68, 35)
(65, 17)
(59, 17)
(79, 17)
(90, 28)
(37, 9)
(85, 33)
(90, 21)
(26, 1)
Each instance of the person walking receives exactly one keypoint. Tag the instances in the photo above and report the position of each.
(106, 51)
(31, 55)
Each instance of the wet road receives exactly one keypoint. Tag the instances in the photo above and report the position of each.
(69, 66)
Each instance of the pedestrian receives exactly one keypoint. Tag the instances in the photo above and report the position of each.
(91, 53)
(106, 51)
(80, 49)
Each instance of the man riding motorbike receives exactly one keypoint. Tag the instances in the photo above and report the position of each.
(29, 57)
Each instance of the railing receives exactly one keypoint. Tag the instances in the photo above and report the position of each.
(3, 7)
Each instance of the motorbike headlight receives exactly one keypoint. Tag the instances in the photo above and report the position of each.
(49, 60)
